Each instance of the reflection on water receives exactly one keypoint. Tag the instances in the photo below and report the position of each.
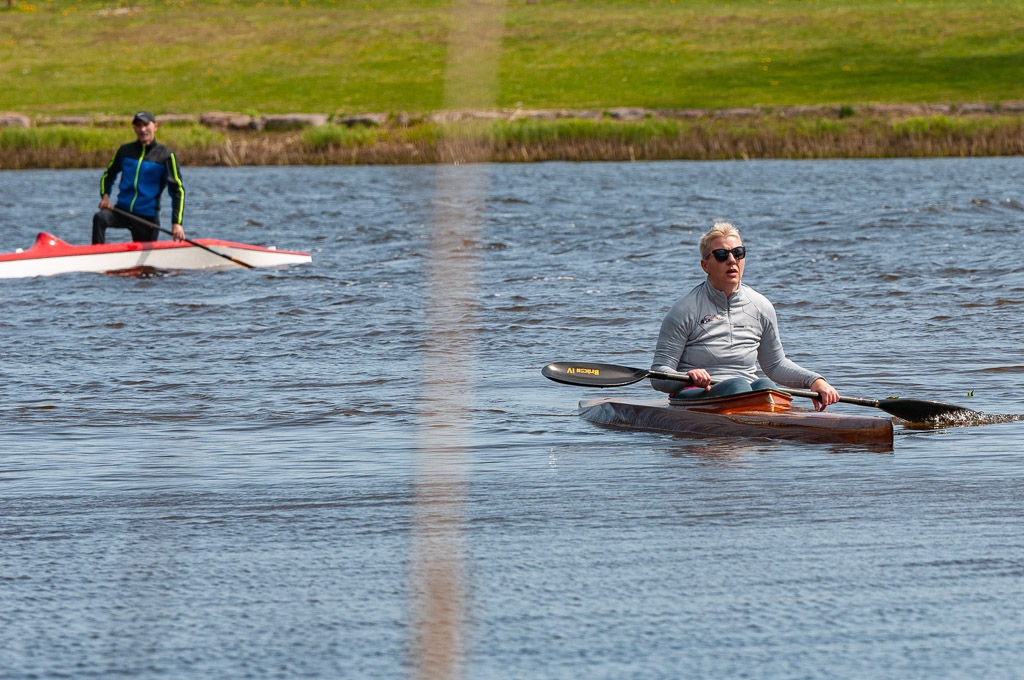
(142, 272)
(211, 474)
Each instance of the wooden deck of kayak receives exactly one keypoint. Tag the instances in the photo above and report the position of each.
(766, 414)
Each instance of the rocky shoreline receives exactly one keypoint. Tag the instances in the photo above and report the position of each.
(236, 121)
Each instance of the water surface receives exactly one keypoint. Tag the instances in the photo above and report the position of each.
(213, 475)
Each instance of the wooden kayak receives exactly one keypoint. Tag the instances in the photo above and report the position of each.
(765, 413)
(49, 255)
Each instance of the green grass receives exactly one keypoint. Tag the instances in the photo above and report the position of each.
(763, 136)
(91, 139)
(430, 134)
(59, 137)
(577, 130)
(941, 126)
(654, 132)
(336, 56)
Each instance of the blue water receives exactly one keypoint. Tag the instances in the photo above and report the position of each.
(232, 474)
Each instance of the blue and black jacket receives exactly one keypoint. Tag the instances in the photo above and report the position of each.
(145, 171)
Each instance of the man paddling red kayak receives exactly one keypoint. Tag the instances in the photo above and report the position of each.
(722, 329)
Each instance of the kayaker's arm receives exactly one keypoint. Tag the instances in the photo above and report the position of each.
(108, 179)
(672, 340)
(176, 188)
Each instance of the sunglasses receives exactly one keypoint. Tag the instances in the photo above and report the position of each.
(722, 254)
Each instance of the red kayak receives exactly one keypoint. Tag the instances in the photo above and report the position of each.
(49, 255)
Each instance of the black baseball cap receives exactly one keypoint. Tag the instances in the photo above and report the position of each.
(144, 116)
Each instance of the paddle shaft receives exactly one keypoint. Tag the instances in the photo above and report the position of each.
(913, 410)
(188, 241)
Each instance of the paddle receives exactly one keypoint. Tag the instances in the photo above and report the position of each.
(171, 233)
(609, 375)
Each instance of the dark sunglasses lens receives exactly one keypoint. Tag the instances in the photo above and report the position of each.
(722, 254)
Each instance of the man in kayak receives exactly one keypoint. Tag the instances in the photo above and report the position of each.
(146, 167)
(717, 331)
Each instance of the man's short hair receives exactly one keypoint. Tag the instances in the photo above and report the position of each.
(720, 230)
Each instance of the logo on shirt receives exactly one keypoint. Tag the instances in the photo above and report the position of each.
(708, 318)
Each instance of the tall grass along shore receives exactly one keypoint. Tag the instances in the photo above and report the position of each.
(736, 79)
(894, 131)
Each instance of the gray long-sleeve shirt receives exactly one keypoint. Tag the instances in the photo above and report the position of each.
(725, 335)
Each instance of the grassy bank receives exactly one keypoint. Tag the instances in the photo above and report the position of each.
(337, 56)
(62, 57)
(90, 147)
(766, 135)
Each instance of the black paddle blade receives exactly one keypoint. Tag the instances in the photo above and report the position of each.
(922, 410)
(583, 374)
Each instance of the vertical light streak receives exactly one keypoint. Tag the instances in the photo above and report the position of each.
(438, 594)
